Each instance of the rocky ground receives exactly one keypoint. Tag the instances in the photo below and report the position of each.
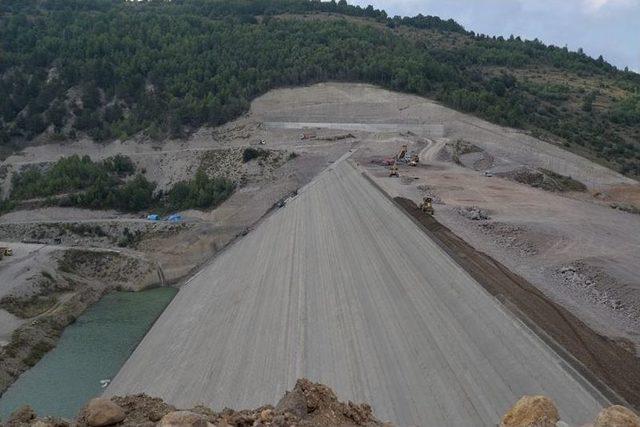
(307, 405)
(99, 233)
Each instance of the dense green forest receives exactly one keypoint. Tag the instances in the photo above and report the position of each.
(114, 68)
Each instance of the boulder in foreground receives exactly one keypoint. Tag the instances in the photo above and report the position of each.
(617, 416)
(531, 411)
(101, 411)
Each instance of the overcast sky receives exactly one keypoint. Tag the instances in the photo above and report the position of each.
(610, 28)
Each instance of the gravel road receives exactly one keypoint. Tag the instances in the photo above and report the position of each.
(341, 287)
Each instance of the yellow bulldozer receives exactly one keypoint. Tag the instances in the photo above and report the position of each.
(415, 159)
(393, 171)
(427, 206)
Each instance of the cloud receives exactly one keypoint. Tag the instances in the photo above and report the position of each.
(592, 6)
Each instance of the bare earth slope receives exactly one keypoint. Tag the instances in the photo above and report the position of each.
(346, 289)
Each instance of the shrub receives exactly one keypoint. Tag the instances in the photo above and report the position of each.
(254, 153)
(201, 192)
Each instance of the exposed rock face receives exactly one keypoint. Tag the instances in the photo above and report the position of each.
(102, 412)
(317, 405)
(617, 416)
(22, 416)
(26, 416)
(531, 411)
(142, 408)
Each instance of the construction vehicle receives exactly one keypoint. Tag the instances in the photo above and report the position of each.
(415, 159)
(393, 171)
(427, 206)
(6, 251)
(402, 152)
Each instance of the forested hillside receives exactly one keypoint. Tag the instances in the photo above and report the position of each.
(111, 69)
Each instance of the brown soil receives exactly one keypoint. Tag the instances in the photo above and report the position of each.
(544, 179)
(603, 361)
(307, 405)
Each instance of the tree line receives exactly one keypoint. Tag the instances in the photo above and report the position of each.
(111, 68)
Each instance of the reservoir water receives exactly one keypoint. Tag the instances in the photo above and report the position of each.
(90, 350)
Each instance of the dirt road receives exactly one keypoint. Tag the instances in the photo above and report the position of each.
(345, 289)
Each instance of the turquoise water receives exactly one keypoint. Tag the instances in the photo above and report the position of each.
(91, 349)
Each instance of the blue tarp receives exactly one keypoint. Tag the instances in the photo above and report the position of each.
(174, 218)
(153, 217)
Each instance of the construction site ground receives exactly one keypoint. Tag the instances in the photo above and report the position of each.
(345, 288)
(572, 246)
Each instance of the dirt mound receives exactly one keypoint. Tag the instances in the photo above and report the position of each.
(617, 416)
(473, 213)
(543, 179)
(317, 405)
(307, 405)
(531, 411)
(111, 266)
(466, 154)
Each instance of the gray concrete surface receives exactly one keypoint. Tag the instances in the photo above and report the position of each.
(341, 287)
(433, 130)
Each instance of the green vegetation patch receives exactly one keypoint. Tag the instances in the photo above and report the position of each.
(70, 174)
(627, 111)
(103, 185)
(251, 153)
(28, 307)
(200, 193)
(37, 352)
(129, 239)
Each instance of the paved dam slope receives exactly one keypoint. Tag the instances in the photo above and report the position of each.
(343, 288)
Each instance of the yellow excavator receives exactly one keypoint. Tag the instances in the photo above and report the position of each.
(402, 153)
(415, 159)
(427, 206)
